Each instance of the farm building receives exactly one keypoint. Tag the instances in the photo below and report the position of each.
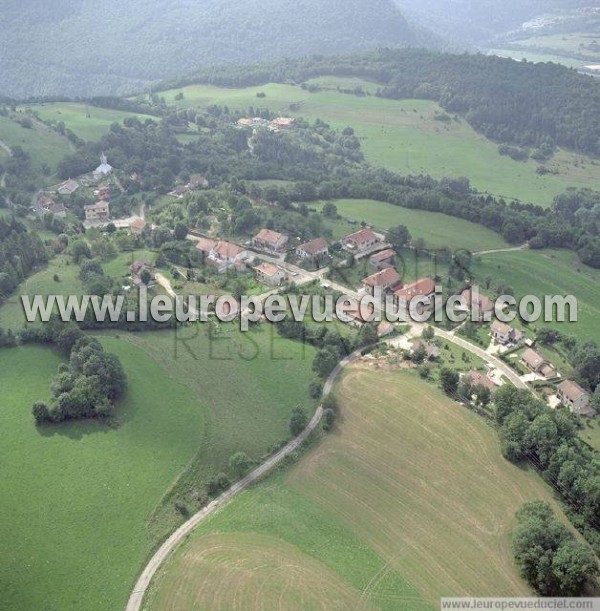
(68, 187)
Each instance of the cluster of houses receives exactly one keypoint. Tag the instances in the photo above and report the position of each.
(276, 125)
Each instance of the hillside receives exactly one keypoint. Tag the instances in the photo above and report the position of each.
(477, 22)
(85, 47)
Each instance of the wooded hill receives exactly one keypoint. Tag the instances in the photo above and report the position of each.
(531, 105)
(99, 47)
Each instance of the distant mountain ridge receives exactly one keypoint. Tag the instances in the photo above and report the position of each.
(98, 47)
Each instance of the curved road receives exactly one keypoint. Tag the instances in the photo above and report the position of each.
(135, 599)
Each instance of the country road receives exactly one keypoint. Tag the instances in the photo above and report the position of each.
(135, 600)
(497, 250)
(6, 148)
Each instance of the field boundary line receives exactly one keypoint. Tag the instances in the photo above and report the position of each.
(143, 582)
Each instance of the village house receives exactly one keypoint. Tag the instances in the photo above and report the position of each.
(360, 241)
(104, 169)
(270, 274)
(476, 378)
(313, 249)
(505, 334)
(46, 205)
(68, 187)
(223, 255)
(481, 303)
(382, 259)
(536, 363)
(137, 226)
(269, 240)
(387, 280)
(423, 288)
(97, 213)
(353, 311)
(571, 395)
(432, 352)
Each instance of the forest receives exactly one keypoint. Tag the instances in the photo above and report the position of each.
(99, 47)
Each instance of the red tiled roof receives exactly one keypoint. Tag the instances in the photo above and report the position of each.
(268, 269)
(228, 250)
(386, 277)
(479, 379)
(361, 237)
(420, 288)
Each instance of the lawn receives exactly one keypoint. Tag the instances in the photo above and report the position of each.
(43, 145)
(438, 230)
(390, 512)
(548, 272)
(76, 497)
(407, 136)
(87, 122)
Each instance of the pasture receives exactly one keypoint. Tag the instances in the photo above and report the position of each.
(548, 272)
(108, 494)
(76, 497)
(43, 144)
(407, 136)
(436, 229)
(407, 500)
(87, 122)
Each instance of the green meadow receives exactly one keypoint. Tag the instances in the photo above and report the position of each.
(106, 494)
(77, 496)
(548, 272)
(43, 144)
(407, 136)
(87, 122)
(436, 229)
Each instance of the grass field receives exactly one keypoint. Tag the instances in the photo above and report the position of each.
(76, 497)
(548, 272)
(85, 491)
(87, 122)
(408, 500)
(43, 145)
(438, 230)
(404, 135)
